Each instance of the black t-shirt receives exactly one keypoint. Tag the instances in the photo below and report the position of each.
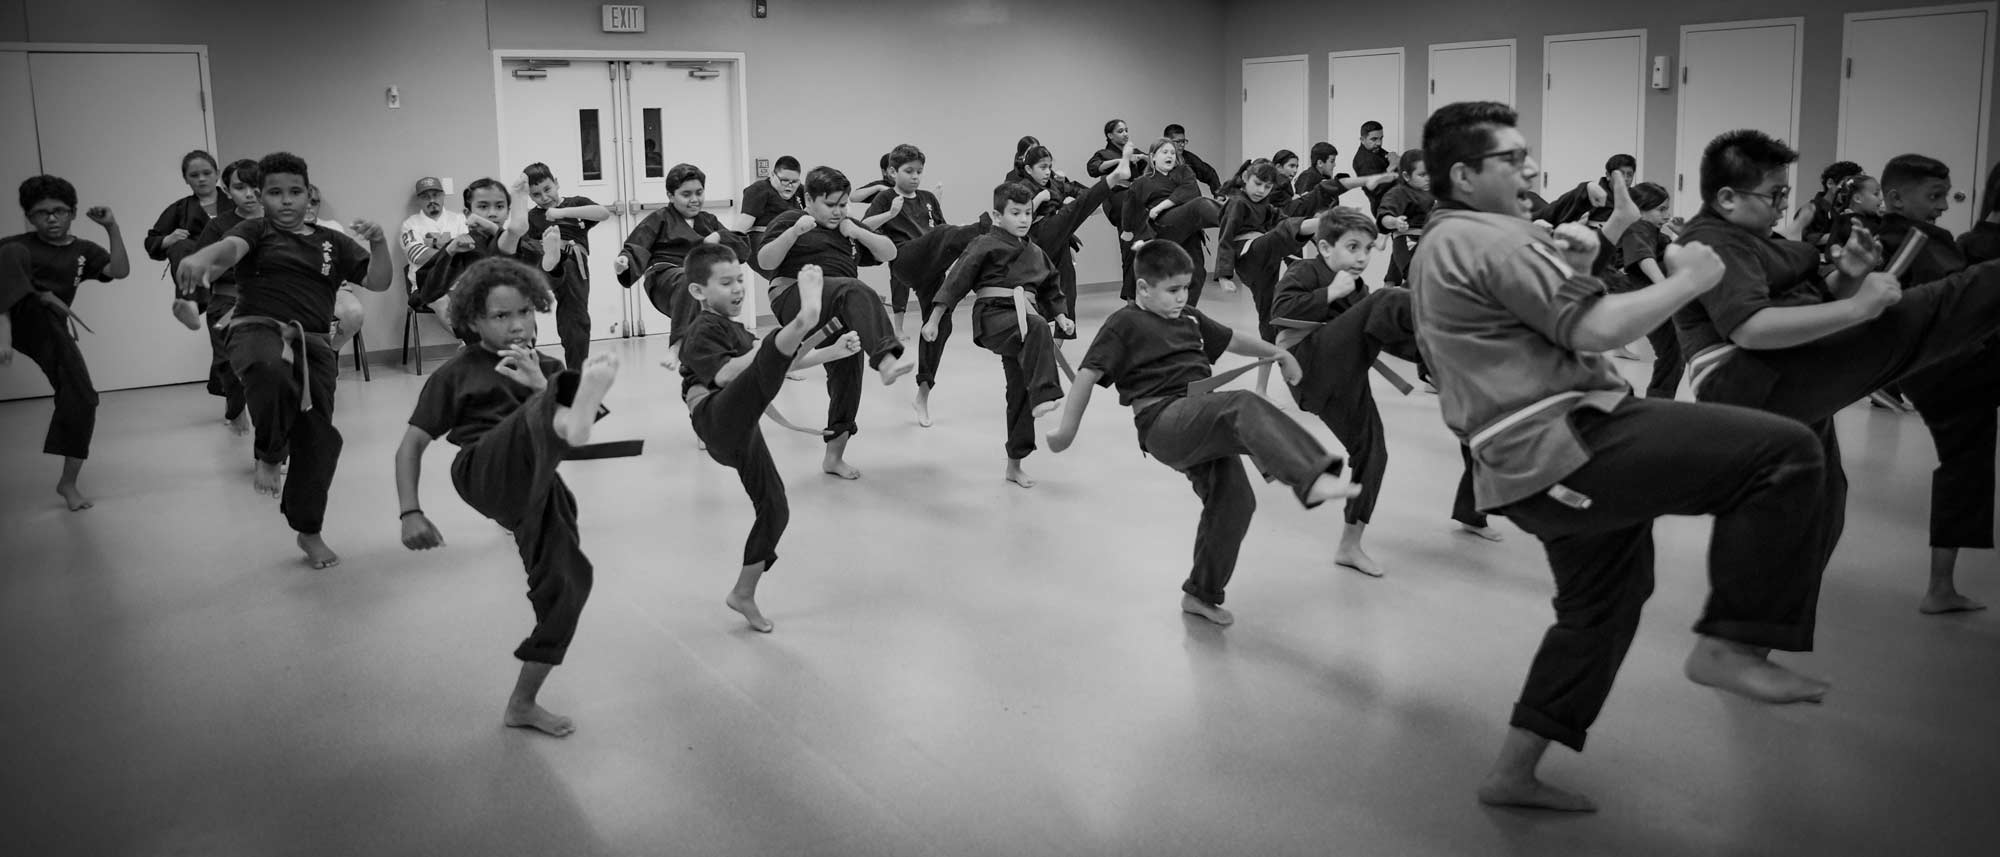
(28, 264)
(712, 341)
(1641, 241)
(1937, 259)
(836, 255)
(1758, 271)
(920, 214)
(1146, 355)
(762, 202)
(222, 282)
(1982, 244)
(292, 276)
(185, 213)
(574, 229)
(467, 396)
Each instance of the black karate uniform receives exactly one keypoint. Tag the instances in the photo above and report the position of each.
(919, 215)
(218, 302)
(856, 306)
(658, 248)
(570, 281)
(1643, 241)
(32, 272)
(999, 260)
(726, 419)
(1181, 224)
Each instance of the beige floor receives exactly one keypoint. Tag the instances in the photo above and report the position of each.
(961, 667)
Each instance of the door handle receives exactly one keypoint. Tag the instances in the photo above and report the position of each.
(617, 208)
(1958, 197)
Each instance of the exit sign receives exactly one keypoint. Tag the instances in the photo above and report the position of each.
(624, 19)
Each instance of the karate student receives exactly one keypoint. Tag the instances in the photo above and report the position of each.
(767, 198)
(512, 412)
(1202, 171)
(1256, 240)
(1819, 222)
(999, 269)
(1055, 194)
(902, 216)
(727, 381)
(824, 235)
(866, 194)
(182, 221)
(496, 222)
(1152, 349)
(1117, 149)
(1589, 201)
(1370, 161)
(1320, 188)
(217, 297)
(656, 251)
(1858, 200)
(1165, 204)
(1780, 337)
(572, 217)
(1287, 162)
(40, 271)
(1640, 251)
(279, 344)
(1958, 397)
(1514, 334)
(1402, 212)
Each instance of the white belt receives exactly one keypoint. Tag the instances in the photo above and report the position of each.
(1515, 418)
(1702, 365)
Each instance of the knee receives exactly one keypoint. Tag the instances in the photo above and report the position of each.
(347, 310)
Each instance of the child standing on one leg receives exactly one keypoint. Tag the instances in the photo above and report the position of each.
(824, 235)
(656, 252)
(218, 296)
(903, 215)
(572, 218)
(1640, 250)
(1152, 350)
(727, 381)
(279, 342)
(512, 412)
(40, 271)
(998, 269)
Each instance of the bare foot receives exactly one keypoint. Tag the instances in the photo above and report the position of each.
(923, 407)
(1355, 558)
(574, 422)
(1531, 793)
(1739, 669)
(317, 552)
(1018, 476)
(539, 719)
(239, 425)
(269, 479)
(892, 370)
(77, 502)
(1121, 176)
(1043, 409)
(1486, 532)
(839, 467)
(1211, 612)
(1935, 603)
(794, 376)
(748, 607)
(187, 314)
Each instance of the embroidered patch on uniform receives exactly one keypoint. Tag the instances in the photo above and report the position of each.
(325, 258)
(1555, 259)
(1568, 497)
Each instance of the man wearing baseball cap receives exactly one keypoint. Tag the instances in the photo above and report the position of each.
(433, 228)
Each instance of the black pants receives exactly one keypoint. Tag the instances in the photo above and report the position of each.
(272, 392)
(1959, 400)
(1055, 232)
(1464, 505)
(859, 309)
(1753, 471)
(1202, 437)
(924, 262)
(43, 336)
(222, 380)
(899, 294)
(1668, 364)
(727, 421)
(1401, 249)
(667, 288)
(509, 475)
(1336, 360)
(1029, 363)
(1183, 225)
(1127, 280)
(571, 282)
(1259, 266)
(1811, 382)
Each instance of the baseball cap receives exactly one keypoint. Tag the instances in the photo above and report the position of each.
(428, 184)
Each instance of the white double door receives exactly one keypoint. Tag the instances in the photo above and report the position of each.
(73, 113)
(610, 130)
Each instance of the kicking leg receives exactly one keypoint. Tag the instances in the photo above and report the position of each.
(574, 421)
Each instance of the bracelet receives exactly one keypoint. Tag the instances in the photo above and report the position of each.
(409, 513)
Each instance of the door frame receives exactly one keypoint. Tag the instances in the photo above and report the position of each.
(1681, 148)
(206, 95)
(1983, 141)
(1639, 150)
(743, 163)
(1305, 61)
(1513, 66)
(1402, 91)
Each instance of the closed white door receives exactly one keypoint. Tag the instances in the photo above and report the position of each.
(1472, 71)
(1274, 106)
(563, 118)
(1593, 105)
(20, 151)
(1739, 75)
(683, 114)
(125, 121)
(1946, 56)
(1364, 86)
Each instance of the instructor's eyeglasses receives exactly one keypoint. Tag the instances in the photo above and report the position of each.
(1515, 158)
